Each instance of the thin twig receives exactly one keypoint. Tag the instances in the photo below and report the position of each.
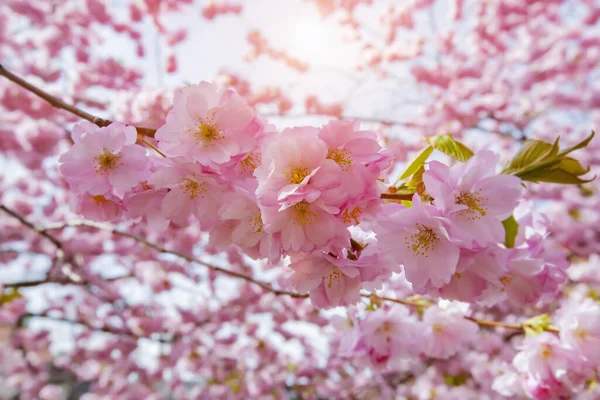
(102, 328)
(264, 285)
(58, 103)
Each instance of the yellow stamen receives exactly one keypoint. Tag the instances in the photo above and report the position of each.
(250, 163)
(581, 333)
(506, 279)
(207, 131)
(256, 222)
(335, 275)
(546, 351)
(353, 215)
(341, 158)
(423, 241)
(475, 203)
(192, 188)
(107, 161)
(296, 175)
(304, 215)
(99, 199)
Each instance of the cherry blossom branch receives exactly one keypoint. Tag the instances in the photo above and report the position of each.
(58, 103)
(102, 328)
(145, 242)
(264, 285)
(396, 196)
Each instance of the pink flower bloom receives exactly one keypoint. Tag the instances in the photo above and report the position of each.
(207, 125)
(305, 227)
(548, 367)
(447, 331)
(520, 283)
(104, 159)
(192, 192)
(241, 224)
(473, 198)
(580, 329)
(389, 335)
(360, 160)
(349, 330)
(470, 281)
(295, 168)
(330, 282)
(417, 238)
(146, 202)
(104, 208)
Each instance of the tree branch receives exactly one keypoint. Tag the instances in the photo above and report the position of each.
(58, 103)
(264, 285)
(102, 328)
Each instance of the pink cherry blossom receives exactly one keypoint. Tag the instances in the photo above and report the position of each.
(192, 191)
(548, 367)
(329, 282)
(305, 227)
(207, 125)
(388, 335)
(417, 238)
(473, 197)
(361, 160)
(295, 168)
(447, 331)
(105, 207)
(580, 328)
(241, 224)
(104, 159)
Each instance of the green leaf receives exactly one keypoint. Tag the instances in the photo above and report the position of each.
(537, 324)
(579, 145)
(456, 380)
(540, 161)
(446, 144)
(511, 229)
(532, 151)
(9, 295)
(416, 163)
(415, 180)
(554, 176)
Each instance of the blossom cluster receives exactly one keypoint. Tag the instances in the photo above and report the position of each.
(314, 194)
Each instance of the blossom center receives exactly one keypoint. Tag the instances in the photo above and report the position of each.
(341, 157)
(581, 334)
(296, 175)
(352, 215)
(250, 163)
(335, 275)
(208, 132)
(506, 279)
(438, 328)
(192, 188)
(99, 199)
(546, 351)
(423, 241)
(303, 214)
(474, 202)
(107, 162)
(256, 222)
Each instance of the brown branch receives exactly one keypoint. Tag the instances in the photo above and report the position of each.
(101, 328)
(264, 285)
(396, 196)
(58, 103)
(28, 224)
